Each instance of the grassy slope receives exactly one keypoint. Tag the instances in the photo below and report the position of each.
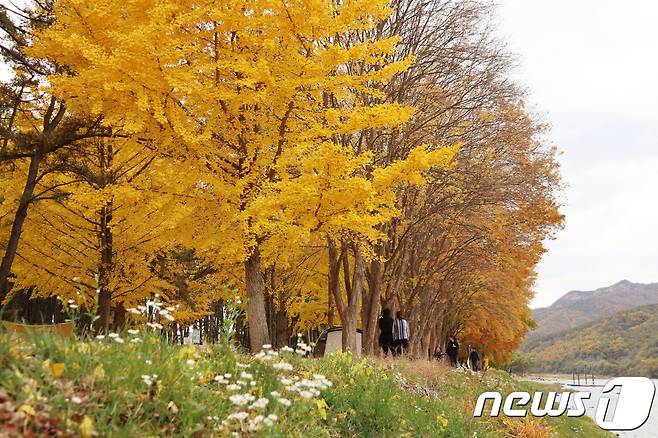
(65, 388)
(623, 344)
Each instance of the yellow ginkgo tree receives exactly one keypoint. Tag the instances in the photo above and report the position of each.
(243, 89)
(110, 210)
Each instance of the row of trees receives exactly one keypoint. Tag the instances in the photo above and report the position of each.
(321, 159)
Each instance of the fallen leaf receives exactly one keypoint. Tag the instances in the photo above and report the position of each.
(29, 410)
(57, 369)
(87, 427)
(322, 408)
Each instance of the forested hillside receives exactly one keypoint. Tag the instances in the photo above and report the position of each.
(580, 307)
(625, 344)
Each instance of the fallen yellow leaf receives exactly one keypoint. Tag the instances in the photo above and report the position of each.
(87, 427)
(322, 408)
(99, 372)
(29, 410)
(57, 369)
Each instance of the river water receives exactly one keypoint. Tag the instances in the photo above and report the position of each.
(648, 430)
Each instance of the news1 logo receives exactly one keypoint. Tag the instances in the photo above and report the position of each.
(632, 408)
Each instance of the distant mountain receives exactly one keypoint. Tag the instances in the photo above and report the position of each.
(624, 344)
(577, 307)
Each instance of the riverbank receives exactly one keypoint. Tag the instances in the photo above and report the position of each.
(135, 385)
(648, 430)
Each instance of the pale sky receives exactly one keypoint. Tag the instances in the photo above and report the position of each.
(592, 70)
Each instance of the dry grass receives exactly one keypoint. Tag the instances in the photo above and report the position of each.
(527, 428)
(428, 370)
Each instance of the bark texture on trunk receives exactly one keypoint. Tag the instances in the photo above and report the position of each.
(372, 307)
(17, 224)
(105, 268)
(258, 331)
(349, 309)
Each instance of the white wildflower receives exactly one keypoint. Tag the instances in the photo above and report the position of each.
(261, 403)
(284, 401)
(284, 366)
(241, 399)
(254, 424)
(269, 421)
(238, 416)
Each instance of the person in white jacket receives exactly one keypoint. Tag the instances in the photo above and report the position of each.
(400, 334)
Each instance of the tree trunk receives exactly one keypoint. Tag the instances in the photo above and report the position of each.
(119, 320)
(330, 305)
(282, 332)
(355, 294)
(258, 333)
(347, 312)
(333, 282)
(105, 268)
(348, 322)
(371, 311)
(17, 224)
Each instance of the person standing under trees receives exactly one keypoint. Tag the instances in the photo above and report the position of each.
(475, 359)
(386, 332)
(400, 334)
(452, 349)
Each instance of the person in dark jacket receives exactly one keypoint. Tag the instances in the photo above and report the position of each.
(386, 332)
(452, 350)
(475, 359)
